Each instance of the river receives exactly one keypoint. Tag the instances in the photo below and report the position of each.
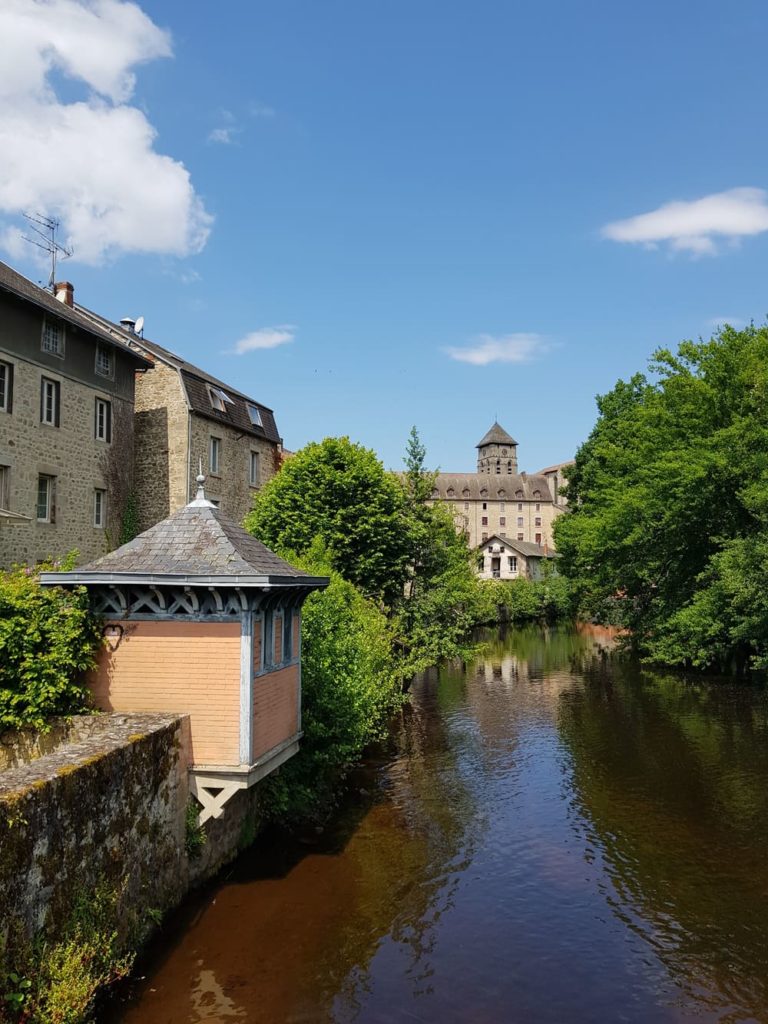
(551, 836)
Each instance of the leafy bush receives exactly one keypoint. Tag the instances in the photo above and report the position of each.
(48, 639)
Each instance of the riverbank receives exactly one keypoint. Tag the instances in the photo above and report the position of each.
(545, 795)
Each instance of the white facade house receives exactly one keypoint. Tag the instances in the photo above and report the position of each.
(499, 558)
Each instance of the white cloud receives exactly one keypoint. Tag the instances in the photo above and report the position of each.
(505, 348)
(720, 321)
(265, 337)
(697, 225)
(225, 136)
(91, 163)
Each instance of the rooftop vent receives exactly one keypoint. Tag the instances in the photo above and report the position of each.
(128, 324)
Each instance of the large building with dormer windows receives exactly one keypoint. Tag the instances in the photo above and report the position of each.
(66, 425)
(498, 500)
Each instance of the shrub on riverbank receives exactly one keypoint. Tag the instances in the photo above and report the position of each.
(525, 601)
(47, 640)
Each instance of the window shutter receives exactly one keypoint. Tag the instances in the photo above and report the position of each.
(57, 396)
(109, 422)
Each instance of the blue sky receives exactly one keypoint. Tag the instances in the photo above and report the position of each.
(383, 190)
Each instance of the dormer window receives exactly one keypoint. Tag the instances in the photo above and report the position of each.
(219, 399)
(53, 337)
(450, 492)
(254, 415)
(105, 365)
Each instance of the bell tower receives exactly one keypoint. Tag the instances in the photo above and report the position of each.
(497, 453)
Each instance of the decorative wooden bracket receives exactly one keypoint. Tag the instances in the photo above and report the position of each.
(212, 793)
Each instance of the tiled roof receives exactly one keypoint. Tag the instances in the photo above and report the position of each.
(198, 543)
(496, 435)
(18, 285)
(522, 547)
(497, 487)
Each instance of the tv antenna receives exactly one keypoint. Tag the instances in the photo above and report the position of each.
(45, 228)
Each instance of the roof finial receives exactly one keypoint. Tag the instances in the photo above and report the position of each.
(200, 498)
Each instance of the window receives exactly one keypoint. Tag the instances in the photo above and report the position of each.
(102, 425)
(53, 338)
(538, 506)
(502, 520)
(484, 521)
(49, 402)
(501, 506)
(485, 505)
(519, 521)
(466, 506)
(519, 506)
(287, 636)
(99, 508)
(537, 521)
(5, 487)
(45, 499)
(254, 415)
(519, 536)
(538, 538)
(512, 563)
(6, 387)
(485, 536)
(219, 399)
(498, 467)
(214, 456)
(253, 473)
(105, 363)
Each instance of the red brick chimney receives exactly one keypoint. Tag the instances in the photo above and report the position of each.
(65, 292)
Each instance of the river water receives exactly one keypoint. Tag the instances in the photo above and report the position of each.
(552, 836)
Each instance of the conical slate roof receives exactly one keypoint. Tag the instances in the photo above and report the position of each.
(196, 545)
(496, 435)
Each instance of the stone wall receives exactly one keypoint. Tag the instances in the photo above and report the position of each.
(162, 439)
(107, 808)
(103, 800)
(71, 455)
(230, 487)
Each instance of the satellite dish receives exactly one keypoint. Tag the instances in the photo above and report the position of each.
(139, 325)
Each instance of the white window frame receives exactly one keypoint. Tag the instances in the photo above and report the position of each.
(512, 563)
(214, 455)
(109, 370)
(53, 328)
(49, 516)
(102, 427)
(54, 393)
(6, 370)
(254, 415)
(219, 399)
(5, 486)
(254, 462)
(99, 508)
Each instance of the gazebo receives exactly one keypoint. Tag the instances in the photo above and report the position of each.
(201, 618)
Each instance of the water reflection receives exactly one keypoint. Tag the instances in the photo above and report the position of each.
(552, 837)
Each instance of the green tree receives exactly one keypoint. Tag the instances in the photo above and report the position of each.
(669, 504)
(339, 492)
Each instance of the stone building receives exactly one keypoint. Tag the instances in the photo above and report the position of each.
(186, 418)
(500, 558)
(66, 425)
(498, 499)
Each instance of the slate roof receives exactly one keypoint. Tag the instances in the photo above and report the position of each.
(496, 435)
(18, 285)
(498, 487)
(196, 545)
(196, 382)
(556, 467)
(523, 547)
